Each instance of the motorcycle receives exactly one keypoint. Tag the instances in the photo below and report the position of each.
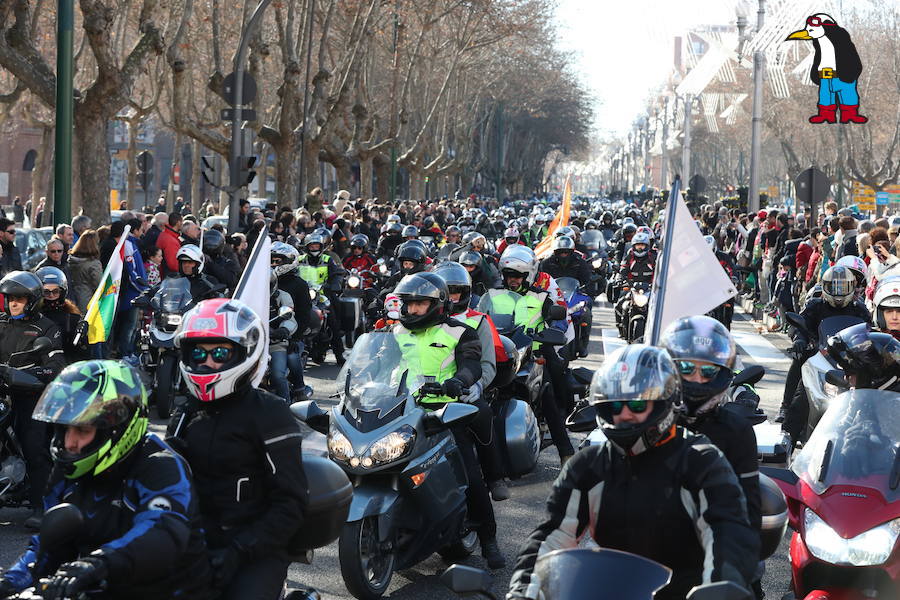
(592, 574)
(580, 306)
(356, 296)
(409, 479)
(318, 340)
(814, 385)
(634, 311)
(13, 473)
(598, 258)
(844, 501)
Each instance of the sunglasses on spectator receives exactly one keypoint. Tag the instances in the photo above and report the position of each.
(635, 406)
(54, 251)
(219, 354)
(687, 367)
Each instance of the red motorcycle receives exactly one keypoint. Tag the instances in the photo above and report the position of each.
(843, 494)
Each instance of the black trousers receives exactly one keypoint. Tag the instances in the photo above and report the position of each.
(478, 499)
(33, 436)
(482, 430)
(262, 579)
(558, 401)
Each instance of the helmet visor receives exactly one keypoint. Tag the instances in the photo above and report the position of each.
(102, 400)
(838, 287)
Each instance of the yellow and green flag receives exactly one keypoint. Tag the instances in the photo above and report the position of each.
(101, 310)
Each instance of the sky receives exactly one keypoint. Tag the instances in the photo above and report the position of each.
(624, 48)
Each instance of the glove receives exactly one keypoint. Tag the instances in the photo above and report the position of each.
(453, 387)
(474, 394)
(280, 334)
(798, 348)
(225, 562)
(7, 589)
(71, 578)
(432, 388)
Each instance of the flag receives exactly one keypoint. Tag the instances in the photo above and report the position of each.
(545, 246)
(101, 310)
(694, 282)
(253, 288)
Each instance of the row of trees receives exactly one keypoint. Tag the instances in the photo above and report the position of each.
(453, 88)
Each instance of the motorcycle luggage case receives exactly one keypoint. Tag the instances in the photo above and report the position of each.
(520, 440)
(328, 505)
(773, 445)
(349, 310)
(774, 516)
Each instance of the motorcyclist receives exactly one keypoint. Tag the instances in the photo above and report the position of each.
(638, 266)
(724, 312)
(58, 308)
(142, 536)
(887, 306)
(838, 299)
(474, 264)
(191, 265)
(650, 488)
(410, 232)
(459, 286)
(607, 225)
(539, 230)
(220, 264)
(705, 354)
(21, 323)
(328, 274)
(389, 241)
(285, 260)
(360, 259)
(511, 237)
(564, 262)
(281, 329)
(450, 352)
(243, 447)
(519, 268)
(624, 243)
(453, 235)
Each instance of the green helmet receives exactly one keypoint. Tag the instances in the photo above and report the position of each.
(106, 394)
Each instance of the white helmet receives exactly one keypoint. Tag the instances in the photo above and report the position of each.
(289, 256)
(640, 238)
(711, 242)
(857, 265)
(190, 252)
(887, 295)
(520, 259)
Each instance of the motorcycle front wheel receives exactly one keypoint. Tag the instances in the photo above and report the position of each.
(366, 564)
(166, 377)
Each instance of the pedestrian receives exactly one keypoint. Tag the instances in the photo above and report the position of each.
(85, 270)
(11, 259)
(153, 258)
(79, 224)
(169, 242)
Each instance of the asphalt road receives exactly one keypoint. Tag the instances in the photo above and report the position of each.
(517, 516)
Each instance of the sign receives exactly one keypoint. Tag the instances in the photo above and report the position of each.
(247, 114)
(113, 199)
(812, 186)
(882, 198)
(893, 193)
(4, 185)
(772, 192)
(248, 91)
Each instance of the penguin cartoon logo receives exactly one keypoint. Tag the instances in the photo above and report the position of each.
(835, 69)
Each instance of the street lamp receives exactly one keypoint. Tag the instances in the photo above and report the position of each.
(759, 62)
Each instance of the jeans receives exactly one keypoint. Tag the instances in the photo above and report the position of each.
(278, 374)
(124, 329)
(295, 364)
(835, 91)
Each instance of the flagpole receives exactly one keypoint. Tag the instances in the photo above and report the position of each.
(662, 268)
(254, 255)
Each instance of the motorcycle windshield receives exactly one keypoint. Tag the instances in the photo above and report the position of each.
(173, 295)
(377, 376)
(568, 286)
(856, 443)
(501, 306)
(593, 240)
(599, 574)
(832, 325)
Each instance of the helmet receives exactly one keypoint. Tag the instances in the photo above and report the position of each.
(565, 231)
(511, 235)
(190, 252)
(635, 373)
(647, 230)
(106, 394)
(563, 248)
(591, 224)
(213, 242)
(475, 240)
(628, 221)
(458, 280)
(887, 295)
(25, 284)
(221, 320)
(54, 276)
(410, 231)
(701, 338)
(838, 286)
(606, 217)
(857, 266)
(315, 237)
(711, 242)
(412, 251)
(428, 222)
(326, 236)
(288, 256)
(873, 357)
(640, 239)
(629, 230)
(393, 228)
(452, 230)
(360, 240)
(393, 219)
(521, 260)
(423, 286)
(470, 258)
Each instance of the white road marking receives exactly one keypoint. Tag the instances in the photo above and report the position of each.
(758, 348)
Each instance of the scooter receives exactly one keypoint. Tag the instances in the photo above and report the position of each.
(843, 491)
(580, 305)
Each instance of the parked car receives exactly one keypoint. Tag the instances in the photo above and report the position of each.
(32, 245)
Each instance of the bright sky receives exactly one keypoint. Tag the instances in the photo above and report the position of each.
(626, 47)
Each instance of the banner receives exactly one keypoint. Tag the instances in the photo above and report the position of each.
(101, 310)
(253, 288)
(694, 282)
(545, 246)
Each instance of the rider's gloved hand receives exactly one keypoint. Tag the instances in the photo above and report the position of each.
(799, 347)
(71, 578)
(280, 334)
(225, 562)
(475, 391)
(7, 588)
(453, 387)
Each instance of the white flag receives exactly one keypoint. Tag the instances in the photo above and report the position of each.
(695, 282)
(253, 288)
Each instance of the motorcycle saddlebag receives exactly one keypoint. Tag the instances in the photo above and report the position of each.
(349, 310)
(520, 440)
(774, 516)
(328, 505)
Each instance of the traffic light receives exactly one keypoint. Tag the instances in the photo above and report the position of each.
(207, 168)
(145, 169)
(246, 174)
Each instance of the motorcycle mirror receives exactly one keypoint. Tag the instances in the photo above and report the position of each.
(749, 375)
(837, 378)
(309, 412)
(465, 580)
(721, 590)
(556, 313)
(795, 320)
(583, 419)
(60, 525)
(456, 413)
(42, 344)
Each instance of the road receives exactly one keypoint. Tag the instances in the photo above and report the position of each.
(517, 516)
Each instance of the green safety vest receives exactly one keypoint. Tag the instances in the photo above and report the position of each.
(321, 269)
(433, 350)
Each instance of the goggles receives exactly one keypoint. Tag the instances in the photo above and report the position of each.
(818, 22)
(635, 406)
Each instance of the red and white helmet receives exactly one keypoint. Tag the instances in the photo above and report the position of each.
(221, 320)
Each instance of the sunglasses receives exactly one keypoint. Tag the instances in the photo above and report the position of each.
(688, 367)
(52, 293)
(11, 231)
(220, 354)
(635, 406)
(816, 22)
(54, 251)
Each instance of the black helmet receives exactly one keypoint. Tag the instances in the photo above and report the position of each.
(607, 217)
(410, 231)
(23, 284)
(394, 228)
(637, 374)
(360, 240)
(705, 339)
(213, 242)
(874, 358)
(629, 229)
(423, 286)
(54, 276)
(458, 280)
(471, 258)
(412, 251)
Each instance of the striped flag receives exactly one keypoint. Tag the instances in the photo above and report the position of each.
(253, 288)
(101, 310)
(545, 247)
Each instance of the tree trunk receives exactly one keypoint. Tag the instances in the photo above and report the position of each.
(93, 166)
(365, 177)
(285, 175)
(41, 171)
(466, 180)
(196, 199)
(132, 165)
(311, 168)
(344, 174)
(383, 179)
(176, 162)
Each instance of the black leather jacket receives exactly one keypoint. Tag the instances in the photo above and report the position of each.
(575, 267)
(817, 310)
(18, 335)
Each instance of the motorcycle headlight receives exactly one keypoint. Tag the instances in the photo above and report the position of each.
(872, 547)
(312, 294)
(353, 281)
(598, 262)
(391, 447)
(339, 447)
(173, 320)
(641, 300)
